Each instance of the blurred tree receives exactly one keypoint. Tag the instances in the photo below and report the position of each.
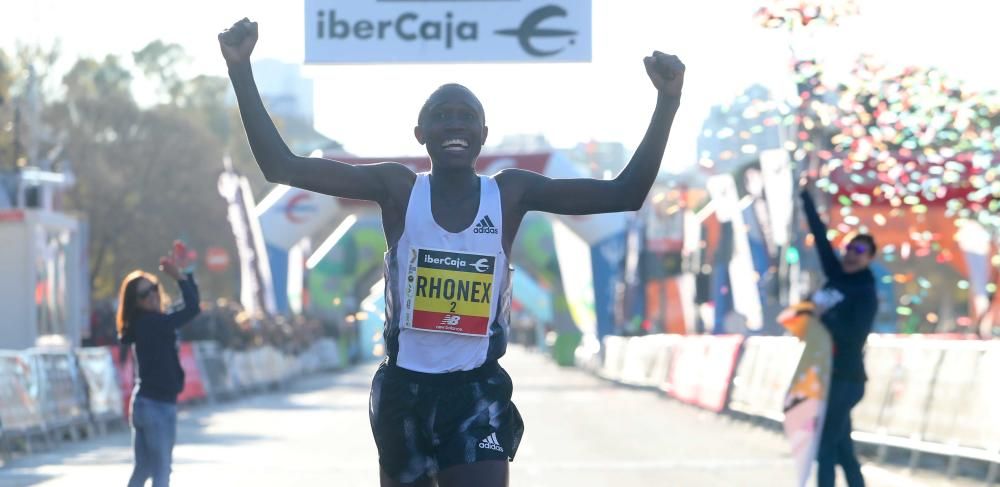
(6, 113)
(146, 174)
(160, 62)
(144, 177)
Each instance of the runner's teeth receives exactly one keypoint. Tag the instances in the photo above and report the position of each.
(455, 144)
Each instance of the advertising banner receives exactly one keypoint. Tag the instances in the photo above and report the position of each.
(447, 31)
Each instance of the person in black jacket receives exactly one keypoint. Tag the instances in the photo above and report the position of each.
(160, 378)
(846, 305)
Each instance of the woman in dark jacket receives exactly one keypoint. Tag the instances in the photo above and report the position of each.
(846, 305)
(160, 378)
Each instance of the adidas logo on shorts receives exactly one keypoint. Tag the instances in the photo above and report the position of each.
(485, 226)
(491, 443)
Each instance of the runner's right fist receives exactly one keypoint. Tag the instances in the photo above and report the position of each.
(237, 42)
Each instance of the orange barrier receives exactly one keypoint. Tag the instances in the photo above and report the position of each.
(194, 385)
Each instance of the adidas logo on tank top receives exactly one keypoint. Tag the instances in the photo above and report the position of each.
(485, 225)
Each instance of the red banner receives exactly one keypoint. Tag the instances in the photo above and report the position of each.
(702, 370)
(126, 374)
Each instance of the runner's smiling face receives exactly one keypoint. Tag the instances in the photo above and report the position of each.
(452, 127)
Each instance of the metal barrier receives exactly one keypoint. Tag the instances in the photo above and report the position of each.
(20, 413)
(693, 369)
(640, 356)
(236, 370)
(308, 361)
(950, 408)
(104, 394)
(614, 348)
(260, 368)
(685, 372)
(911, 391)
(51, 394)
(952, 420)
(721, 357)
(882, 364)
(212, 364)
(983, 443)
(62, 393)
(663, 361)
(741, 397)
(763, 375)
(328, 353)
(905, 408)
(932, 395)
(787, 352)
(270, 366)
(941, 397)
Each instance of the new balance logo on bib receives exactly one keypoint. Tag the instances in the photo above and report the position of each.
(485, 225)
(451, 320)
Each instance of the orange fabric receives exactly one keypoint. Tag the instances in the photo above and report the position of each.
(675, 322)
(664, 306)
(795, 318)
(655, 304)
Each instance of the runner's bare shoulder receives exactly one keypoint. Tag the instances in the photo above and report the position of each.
(396, 178)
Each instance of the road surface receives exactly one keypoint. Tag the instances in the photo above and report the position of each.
(580, 430)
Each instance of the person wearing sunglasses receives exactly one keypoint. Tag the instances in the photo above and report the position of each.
(152, 334)
(846, 305)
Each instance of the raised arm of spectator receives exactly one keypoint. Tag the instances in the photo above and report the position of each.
(827, 256)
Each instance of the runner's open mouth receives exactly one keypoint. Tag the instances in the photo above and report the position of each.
(455, 145)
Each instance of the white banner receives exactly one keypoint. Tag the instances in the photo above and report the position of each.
(974, 240)
(256, 286)
(288, 214)
(776, 170)
(575, 265)
(742, 276)
(447, 31)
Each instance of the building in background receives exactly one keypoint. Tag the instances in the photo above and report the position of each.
(44, 283)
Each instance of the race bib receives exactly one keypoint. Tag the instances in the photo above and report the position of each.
(449, 292)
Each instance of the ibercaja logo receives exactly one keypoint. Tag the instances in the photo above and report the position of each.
(542, 32)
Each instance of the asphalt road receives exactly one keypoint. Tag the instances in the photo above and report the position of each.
(580, 431)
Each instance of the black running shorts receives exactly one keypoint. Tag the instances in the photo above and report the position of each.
(425, 423)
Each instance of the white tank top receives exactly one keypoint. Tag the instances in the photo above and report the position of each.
(447, 294)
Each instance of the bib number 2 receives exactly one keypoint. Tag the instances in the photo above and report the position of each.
(450, 292)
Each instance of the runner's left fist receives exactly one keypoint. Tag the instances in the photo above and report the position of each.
(666, 72)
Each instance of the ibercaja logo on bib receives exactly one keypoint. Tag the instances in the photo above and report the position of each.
(452, 291)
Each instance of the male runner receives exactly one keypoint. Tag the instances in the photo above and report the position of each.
(440, 404)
